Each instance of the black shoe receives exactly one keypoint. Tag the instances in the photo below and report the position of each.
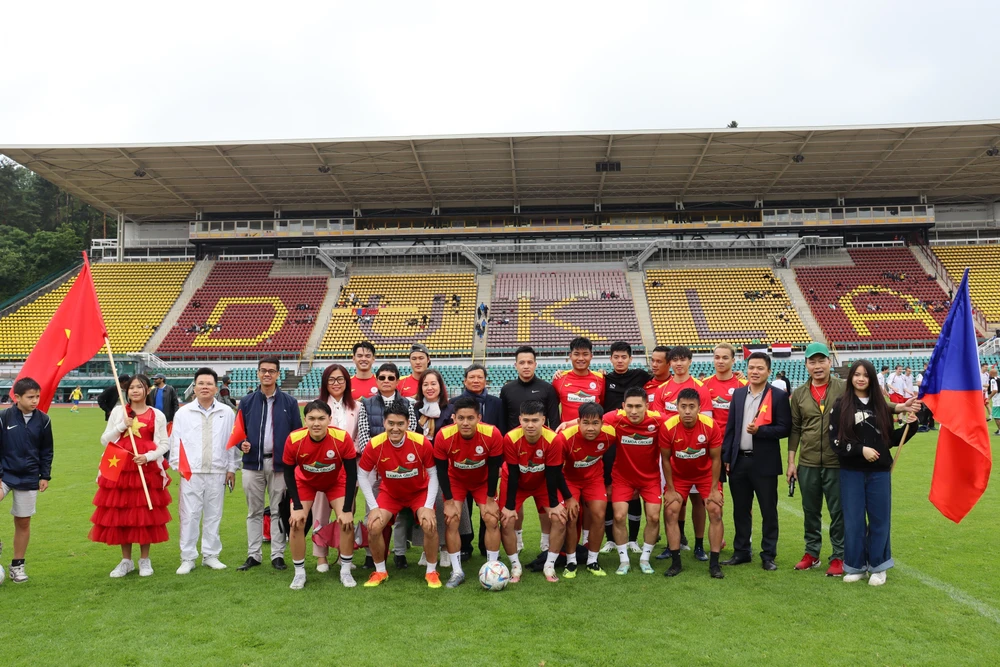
(467, 555)
(768, 565)
(699, 554)
(250, 562)
(538, 564)
(369, 563)
(278, 563)
(737, 560)
(673, 571)
(400, 562)
(663, 555)
(581, 553)
(716, 572)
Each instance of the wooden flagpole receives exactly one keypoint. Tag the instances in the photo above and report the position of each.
(131, 436)
(902, 441)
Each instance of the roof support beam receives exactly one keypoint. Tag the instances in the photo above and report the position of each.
(153, 177)
(420, 167)
(513, 170)
(239, 173)
(604, 174)
(788, 164)
(980, 152)
(333, 176)
(49, 174)
(885, 156)
(694, 170)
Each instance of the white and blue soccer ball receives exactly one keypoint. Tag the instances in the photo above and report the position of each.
(494, 576)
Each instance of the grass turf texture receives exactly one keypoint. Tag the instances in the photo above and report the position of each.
(940, 603)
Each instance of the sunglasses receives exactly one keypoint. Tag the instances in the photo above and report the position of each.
(386, 378)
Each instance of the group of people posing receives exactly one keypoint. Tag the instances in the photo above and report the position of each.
(597, 452)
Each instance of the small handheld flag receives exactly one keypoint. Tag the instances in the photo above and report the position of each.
(113, 461)
(763, 417)
(183, 466)
(239, 433)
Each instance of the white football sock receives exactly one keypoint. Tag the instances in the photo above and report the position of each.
(647, 549)
(432, 566)
(591, 557)
(586, 537)
(571, 558)
(550, 558)
(544, 542)
(380, 567)
(456, 561)
(492, 555)
(622, 553)
(514, 560)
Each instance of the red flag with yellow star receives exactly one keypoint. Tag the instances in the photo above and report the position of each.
(763, 417)
(183, 467)
(113, 461)
(74, 335)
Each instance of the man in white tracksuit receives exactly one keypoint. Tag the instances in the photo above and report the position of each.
(202, 428)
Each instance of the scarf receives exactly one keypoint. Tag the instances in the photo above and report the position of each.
(432, 411)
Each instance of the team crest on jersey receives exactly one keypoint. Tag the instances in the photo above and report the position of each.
(401, 473)
(374, 390)
(411, 457)
(469, 464)
(701, 437)
(479, 449)
(732, 390)
(651, 428)
(539, 453)
(600, 446)
(330, 453)
(690, 453)
(593, 385)
(636, 440)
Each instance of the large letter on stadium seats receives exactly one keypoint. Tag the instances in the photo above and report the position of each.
(859, 320)
(277, 321)
(525, 317)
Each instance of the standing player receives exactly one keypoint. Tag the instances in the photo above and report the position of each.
(405, 463)
(659, 366)
(320, 459)
(534, 459)
(691, 446)
(636, 470)
(363, 384)
(581, 385)
(420, 361)
(468, 455)
(587, 449)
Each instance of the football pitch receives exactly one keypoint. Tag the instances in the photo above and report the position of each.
(941, 603)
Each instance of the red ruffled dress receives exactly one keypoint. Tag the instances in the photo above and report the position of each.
(122, 516)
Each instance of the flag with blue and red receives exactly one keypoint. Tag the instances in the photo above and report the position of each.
(953, 392)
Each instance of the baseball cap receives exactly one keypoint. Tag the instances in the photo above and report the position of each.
(159, 376)
(418, 347)
(813, 349)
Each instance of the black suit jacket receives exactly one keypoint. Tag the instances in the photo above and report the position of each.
(766, 458)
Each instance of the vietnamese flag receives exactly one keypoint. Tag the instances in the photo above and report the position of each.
(183, 466)
(74, 335)
(763, 417)
(952, 390)
(239, 433)
(113, 461)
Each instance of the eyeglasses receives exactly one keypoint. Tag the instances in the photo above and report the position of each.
(386, 378)
(336, 380)
(267, 371)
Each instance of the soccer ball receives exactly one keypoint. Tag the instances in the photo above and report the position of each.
(494, 576)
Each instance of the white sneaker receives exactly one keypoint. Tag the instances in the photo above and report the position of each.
(851, 578)
(444, 560)
(123, 568)
(877, 579)
(323, 567)
(186, 567)
(213, 562)
(634, 547)
(608, 547)
(423, 559)
(17, 574)
(145, 567)
(515, 573)
(347, 579)
(299, 581)
(3, 574)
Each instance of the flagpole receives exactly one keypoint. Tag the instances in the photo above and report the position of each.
(131, 435)
(902, 441)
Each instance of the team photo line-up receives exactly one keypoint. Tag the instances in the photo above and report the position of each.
(595, 451)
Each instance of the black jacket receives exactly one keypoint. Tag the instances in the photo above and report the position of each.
(170, 402)
(25, 450)
(766, 459)
(616, 384)
(867, 435)
(107, 400)
(490, 409)
(516, 392)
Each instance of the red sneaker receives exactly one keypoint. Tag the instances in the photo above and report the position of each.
(808, 562)
(376, 579)
(836, 568)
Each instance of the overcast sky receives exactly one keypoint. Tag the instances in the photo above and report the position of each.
(140, 72)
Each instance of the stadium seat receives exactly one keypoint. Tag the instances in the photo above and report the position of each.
(702, 307)
(547, 309)
(984, 277)
(132, 308)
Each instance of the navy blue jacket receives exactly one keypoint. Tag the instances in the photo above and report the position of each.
(490, 408)
(25, 450)
(766, 459)
(285, 419)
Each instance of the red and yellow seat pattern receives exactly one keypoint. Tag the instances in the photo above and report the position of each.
(984, 277)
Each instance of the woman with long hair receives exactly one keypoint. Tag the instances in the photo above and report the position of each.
(335, 391)
(432, 400)
(862, 434)
(122, 517)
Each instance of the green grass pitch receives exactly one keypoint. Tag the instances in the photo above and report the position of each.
(941, 603)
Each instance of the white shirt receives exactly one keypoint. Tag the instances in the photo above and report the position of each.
(780, 384)
(897, 384)
(204, 434)
(881, 381)
(339, 417)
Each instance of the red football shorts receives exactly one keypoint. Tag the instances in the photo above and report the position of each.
(623, 490)
(459, 491)
(897, 398)
(588, 489)
(703, 486)
(540, 494)
(307, 491)
(394, 505)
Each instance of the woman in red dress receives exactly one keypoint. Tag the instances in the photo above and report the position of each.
(122, 516)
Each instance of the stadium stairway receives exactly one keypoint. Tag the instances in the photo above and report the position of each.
(333, 286)
(800, 304)
(636, 283)
(483, 294)
(194, 281)
(290, 382)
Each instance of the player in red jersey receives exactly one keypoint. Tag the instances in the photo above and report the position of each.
(691, 452)
(659, 366)
(534, 458)
(468, 455)
(320, 459)
(420, 361)
(588, 453)
(723, 384)
(581, 385)
(405, 463)
(363, 384)
(636, 470)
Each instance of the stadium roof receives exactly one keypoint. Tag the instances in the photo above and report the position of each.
(942, 161)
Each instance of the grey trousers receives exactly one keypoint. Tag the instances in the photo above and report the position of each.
(255, 483)
(464, 524)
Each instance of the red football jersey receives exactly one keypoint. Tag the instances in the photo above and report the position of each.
(467, 458)
(363, 388)
(403, 469)
(651, 388)
(318, 460)
(638, 454)
(408, 387)
(721, 392)
(689, 459)
(531, 459)
(585, 458)
(666, 396)
(574, 390)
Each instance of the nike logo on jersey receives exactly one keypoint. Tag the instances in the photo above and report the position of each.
(535, 391)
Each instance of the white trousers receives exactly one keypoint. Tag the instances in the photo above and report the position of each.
(201, 503)
(255, 483)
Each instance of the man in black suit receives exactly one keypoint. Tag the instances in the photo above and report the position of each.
(759, 417)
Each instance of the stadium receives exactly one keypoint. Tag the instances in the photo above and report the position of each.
(473, 246)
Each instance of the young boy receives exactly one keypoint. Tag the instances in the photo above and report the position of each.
(25, 464)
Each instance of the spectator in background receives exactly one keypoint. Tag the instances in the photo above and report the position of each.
(108, 398)
(163, 397)
(780, 382)
(225, 393)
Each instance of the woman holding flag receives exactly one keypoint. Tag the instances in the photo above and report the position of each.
(122, 516)
(861, 433)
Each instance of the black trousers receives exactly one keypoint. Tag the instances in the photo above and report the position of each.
(744, 485)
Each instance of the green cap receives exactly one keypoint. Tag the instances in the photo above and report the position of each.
(813, 349)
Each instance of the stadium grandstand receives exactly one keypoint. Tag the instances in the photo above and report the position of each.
(476, 245)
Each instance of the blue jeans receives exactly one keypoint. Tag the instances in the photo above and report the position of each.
(866, 538)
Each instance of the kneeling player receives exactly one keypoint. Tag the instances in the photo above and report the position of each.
(534, 459)
(468, 454)
(405, 463)
(320, 458)
(691, 451)
(636, 470)
(587, 448)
